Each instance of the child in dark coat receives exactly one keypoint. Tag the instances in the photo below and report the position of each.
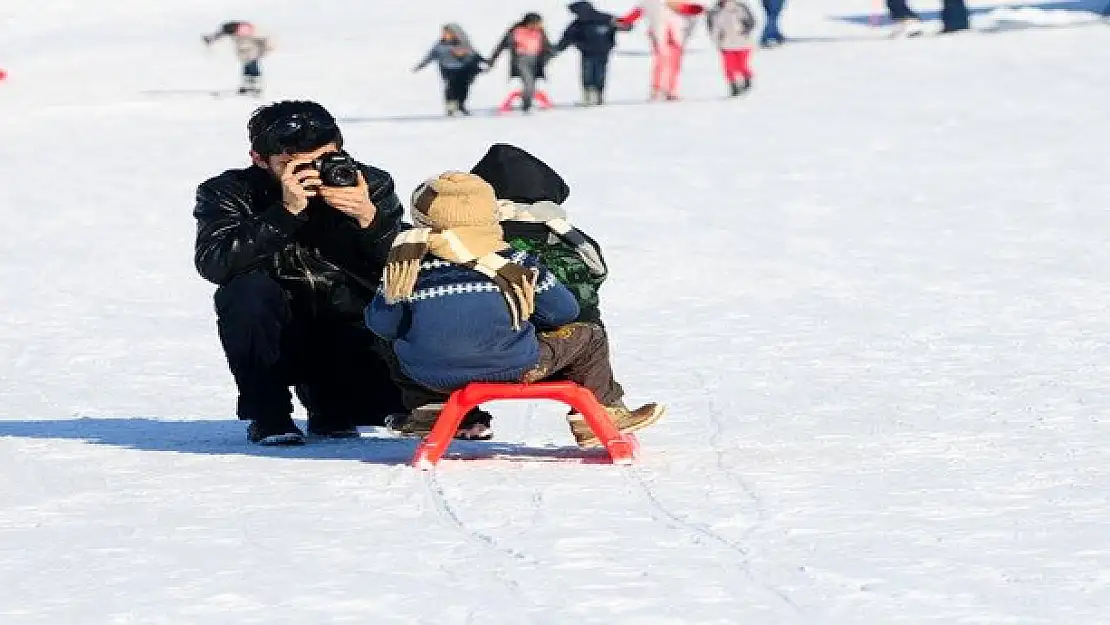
(459, 305)
(529, 198)
(594, 33)
(458, 63)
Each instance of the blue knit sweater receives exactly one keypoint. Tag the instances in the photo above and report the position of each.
(456, 327)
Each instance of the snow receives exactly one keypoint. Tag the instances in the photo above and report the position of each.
(873, 294)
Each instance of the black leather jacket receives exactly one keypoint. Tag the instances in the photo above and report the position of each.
(323, 259)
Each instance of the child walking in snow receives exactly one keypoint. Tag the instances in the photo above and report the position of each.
(669, 23)
(594, 34)
(529, 51)
(458, 63)
(459, 305)
(731, 24)
(249, 49)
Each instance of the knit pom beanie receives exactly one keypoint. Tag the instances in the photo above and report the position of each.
(453, 200)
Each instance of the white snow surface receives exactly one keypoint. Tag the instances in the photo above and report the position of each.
(874, 294)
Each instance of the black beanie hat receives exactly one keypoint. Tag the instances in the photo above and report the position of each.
(516, 175)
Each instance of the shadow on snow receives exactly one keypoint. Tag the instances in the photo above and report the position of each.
(228, 438)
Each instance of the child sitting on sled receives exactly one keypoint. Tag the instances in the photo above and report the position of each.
(458, 304)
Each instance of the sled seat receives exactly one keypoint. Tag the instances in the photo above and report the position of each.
(621, 447)
(540, 96)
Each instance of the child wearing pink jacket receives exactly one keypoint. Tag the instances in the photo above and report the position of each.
(669, 23)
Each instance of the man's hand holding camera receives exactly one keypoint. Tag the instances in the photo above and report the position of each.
(341, 185)
(298, 184)
(352, 201)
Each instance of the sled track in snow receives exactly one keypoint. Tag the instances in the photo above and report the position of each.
(484, 543)
(443, 505)
(701, 533)
(716, 443)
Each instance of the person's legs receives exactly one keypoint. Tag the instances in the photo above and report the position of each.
(252, 78)
(673, 68)
(954, 14)
(737, 71)
(343, 381)
(728, 65)
(579, 352)
(527, 67)
(255, 324)
(453, 86)
(448, 91)
(602, 70)
(743, 63)
(664, 65)
(771, 33)
(422, 405)
(465, 80)
(658, 62)
(899, 10)
(588, 79)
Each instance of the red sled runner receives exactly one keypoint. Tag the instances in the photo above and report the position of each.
(622, 448)
(540, 96)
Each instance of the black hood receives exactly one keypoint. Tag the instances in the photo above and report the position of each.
(587, 13)
(518, 176)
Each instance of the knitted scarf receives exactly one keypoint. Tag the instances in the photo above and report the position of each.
(552, 215)
(475, 247)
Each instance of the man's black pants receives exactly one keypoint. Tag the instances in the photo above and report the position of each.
(272, 343)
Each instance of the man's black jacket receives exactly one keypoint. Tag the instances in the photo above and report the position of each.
(322, 257)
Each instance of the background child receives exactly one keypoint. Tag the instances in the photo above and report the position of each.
(249, 49)
(459, 64)
(731, 24)
(529, 51)
(669, 23)
(594, 33)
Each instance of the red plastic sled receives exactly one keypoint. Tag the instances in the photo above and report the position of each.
(540, 96)
(621, 447)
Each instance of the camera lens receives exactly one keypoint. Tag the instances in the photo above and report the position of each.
(342, 175)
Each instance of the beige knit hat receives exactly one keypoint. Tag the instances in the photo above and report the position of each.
(454, 199)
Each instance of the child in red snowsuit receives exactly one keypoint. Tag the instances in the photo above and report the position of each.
(669, 24)
(731, 24)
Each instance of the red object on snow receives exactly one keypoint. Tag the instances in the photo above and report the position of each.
(3, 74)
(622, 448)
(540, 95)
(689, 8)
(631, 18)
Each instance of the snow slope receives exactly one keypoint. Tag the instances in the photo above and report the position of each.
(874, 295)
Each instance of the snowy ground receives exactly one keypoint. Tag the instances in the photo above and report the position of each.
(874, 295)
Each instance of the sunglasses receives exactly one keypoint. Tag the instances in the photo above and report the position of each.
(295, 132)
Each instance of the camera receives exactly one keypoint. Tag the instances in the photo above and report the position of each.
(337, 169)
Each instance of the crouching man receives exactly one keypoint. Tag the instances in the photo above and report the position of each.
(297, 243)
